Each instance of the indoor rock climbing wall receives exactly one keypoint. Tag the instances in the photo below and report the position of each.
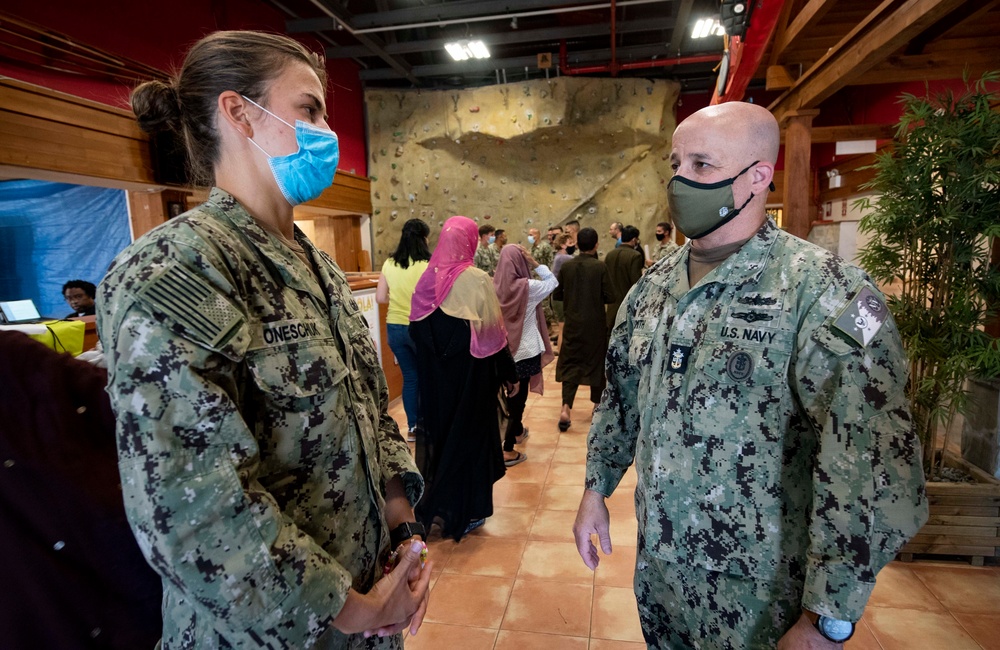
(522, 155)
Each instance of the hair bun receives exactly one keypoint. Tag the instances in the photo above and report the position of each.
(156, 106)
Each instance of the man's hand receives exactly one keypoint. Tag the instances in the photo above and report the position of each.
(804, 636)
(511, 389)
(592, 519)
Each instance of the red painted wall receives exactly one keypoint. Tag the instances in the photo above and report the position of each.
(158, 34)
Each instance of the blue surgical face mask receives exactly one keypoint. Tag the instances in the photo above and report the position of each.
(531, 240)
(302, 176)
(491, 239)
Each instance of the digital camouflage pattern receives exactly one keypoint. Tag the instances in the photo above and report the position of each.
(664, 249)
(770, 445)
(254, 442)
(486, 258)
(543, 253)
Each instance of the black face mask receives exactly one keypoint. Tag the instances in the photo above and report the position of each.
(660, 236)
(570, 250)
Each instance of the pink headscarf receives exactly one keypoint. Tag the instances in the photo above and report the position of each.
(511, 282)
(453, 255)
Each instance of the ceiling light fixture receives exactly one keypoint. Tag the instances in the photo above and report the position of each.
(707, 27)
(465, 50)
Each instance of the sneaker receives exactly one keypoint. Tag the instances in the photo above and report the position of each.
(411, 435)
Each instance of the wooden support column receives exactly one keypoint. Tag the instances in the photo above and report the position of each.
(798, 207)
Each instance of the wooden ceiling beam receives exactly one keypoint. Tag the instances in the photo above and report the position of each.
(826, 134)
(779, 35)
(929, 67)
(885, 30)
(812, 13)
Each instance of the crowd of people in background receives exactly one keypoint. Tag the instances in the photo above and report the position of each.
(473, 325)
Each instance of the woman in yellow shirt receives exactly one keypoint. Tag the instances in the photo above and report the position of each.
(395, 287)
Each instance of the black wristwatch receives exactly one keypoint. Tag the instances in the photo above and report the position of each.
(832, 629)
(405, 531)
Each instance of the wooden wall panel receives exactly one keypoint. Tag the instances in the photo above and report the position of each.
(49, 131)
(349, 193)
(339, 236)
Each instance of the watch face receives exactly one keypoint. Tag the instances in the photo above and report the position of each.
(834, 629)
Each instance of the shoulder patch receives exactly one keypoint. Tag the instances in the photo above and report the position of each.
(862, 317)
(192, 303)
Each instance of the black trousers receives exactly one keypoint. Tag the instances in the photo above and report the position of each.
(569, 393)
(516, 407)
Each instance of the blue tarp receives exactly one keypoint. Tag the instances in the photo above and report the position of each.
(53, 232)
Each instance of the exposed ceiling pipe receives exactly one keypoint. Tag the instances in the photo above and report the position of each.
(507, 16)
(633, 65)
(614, 61)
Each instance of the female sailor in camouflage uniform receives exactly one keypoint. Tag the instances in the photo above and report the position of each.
(261, 472)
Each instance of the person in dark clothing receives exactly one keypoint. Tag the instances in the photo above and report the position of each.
(625, 265)
(80, 296)
(72, 572)
(584, 288)
(462, 360)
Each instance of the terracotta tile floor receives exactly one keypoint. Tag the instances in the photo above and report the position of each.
(517, 583)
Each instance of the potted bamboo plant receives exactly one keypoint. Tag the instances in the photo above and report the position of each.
(934, 221)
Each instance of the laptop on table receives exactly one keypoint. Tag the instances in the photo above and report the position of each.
(17, 312)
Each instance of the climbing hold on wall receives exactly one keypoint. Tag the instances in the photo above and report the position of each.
(393, 215)
(399, 152)
(473, 109)
(487, 217)
(393, 197)
(412, 197)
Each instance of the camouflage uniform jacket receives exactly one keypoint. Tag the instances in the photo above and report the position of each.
(664, 249)
(486, 258)
(770, 436)
(543, 253)
(253, 439)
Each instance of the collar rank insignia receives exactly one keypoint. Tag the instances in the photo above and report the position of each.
(679, 358)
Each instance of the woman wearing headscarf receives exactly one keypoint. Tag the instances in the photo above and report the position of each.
(527, 335)
(462, 360)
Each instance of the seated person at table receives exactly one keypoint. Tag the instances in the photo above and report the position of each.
(80, 296)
